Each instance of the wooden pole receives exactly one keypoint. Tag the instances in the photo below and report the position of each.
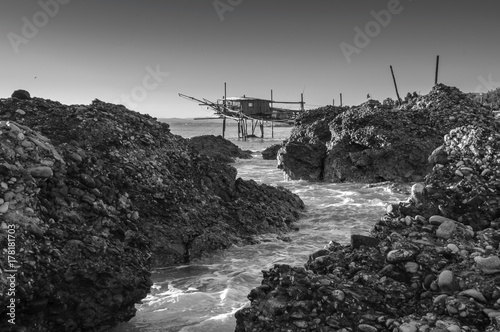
(437, 71)
(395, 85)
(261, 128)
(333, 102)
(224, 109)
(246, 128)
(340, 99)
(272, 129)
(302, 101)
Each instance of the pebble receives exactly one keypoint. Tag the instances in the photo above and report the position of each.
(409, 327)
(75, 157)
(488, 265)
(486, 172)
(454, 328)
(447, 282)
(411, 267)
(367, 328)
(417, 188)
(14, 128)
(438, 220)
(41, 172)
(35, 230)
(87, 180)
(446, 229)
(4, 207)
(453, 248)
(338, 295)
(474, 293)
(399, 255)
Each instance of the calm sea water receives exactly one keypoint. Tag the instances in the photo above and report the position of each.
(204, 295)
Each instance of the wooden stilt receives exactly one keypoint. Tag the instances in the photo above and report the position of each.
(246, 129)
(437, 71)
(223, 127)
(261, 128)
(272, 129)
(395, 85)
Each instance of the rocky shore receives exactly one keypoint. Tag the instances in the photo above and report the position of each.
(431, 264)
(94, 196)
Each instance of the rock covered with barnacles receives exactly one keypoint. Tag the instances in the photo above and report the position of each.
(92, 197)
(373, 142)
(445, 108)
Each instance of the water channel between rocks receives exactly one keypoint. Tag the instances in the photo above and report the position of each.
(204, 295)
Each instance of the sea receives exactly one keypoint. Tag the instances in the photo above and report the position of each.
(205, 294)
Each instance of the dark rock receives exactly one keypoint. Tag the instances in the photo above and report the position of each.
(271, 152)
(21, 94)
(361, 240)
(219, 148)
(303, 160)
(438, 156)
(303, 155)
(371, 143)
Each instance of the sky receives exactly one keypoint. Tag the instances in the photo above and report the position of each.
(143, 53)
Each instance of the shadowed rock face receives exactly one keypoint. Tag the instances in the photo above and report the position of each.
(271, 152)
(218, 147)
(371, 143)
(99, 194)
(302, 156)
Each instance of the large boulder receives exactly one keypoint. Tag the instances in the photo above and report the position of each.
(302, 155)
(218, 147)
(372, 142)
(96, 196)
(271, 152)
(21, 94)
